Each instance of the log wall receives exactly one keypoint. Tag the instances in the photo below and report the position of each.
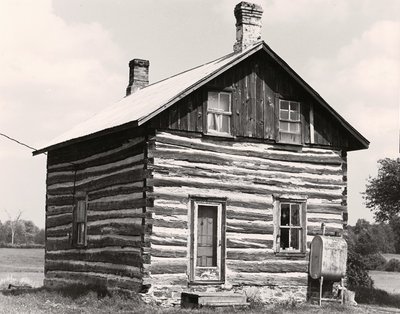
(248, 175)
(111, 173)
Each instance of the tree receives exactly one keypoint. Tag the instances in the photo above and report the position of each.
(382, 194)
(13, 225)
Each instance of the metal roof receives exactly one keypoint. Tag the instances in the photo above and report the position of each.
(144, 104)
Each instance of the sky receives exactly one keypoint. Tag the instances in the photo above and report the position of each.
(63, 61)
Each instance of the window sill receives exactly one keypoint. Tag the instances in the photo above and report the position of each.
(221, 135)
(203, 283)
(291, 254)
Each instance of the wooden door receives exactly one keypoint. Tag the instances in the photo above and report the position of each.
(207, 242)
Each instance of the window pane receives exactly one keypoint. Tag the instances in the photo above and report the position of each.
(284, 238)
(284, 126)
(295, 215)
(213, 100)
(284, 114)
(294, 128)
(81, 233)
(225, 124)
(295, 116)
(285, 214)
(294, 106)
(295, 239)
(284, 105)
(224, 102)
(207, 236)
(211, 121)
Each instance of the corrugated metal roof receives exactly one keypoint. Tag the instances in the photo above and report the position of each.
(149, 101)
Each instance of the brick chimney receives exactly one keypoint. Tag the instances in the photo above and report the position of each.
(248, 25)
(138, 75)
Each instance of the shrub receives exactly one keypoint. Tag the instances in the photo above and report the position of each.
(376, 296)
(391, 265)
(373, 261)
(357, 273)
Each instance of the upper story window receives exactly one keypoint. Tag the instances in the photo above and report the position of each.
(289, 122)
(291, 227)
(219, 113)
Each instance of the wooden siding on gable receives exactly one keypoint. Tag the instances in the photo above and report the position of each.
(248, 175)
(256, 84)
(111, 172)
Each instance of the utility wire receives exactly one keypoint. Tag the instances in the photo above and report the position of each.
(16, 141)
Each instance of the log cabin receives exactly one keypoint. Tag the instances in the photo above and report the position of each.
(214, 179)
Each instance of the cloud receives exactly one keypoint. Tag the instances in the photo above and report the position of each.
(362, 83)
(53, 75)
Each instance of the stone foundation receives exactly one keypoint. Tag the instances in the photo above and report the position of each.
(171, 295)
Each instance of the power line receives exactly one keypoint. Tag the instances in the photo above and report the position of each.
(16, 141)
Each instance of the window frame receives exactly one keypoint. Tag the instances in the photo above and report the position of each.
(79, 219)
(220, 204)
(303, 226)
(299, 122)
(220, 112)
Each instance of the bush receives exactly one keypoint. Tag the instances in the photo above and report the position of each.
(357, 273)
(391, 265)
(376, 296)
(373, 261)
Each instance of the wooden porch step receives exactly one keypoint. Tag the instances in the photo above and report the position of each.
(199, 299)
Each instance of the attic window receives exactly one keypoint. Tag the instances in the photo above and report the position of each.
(219, 113)
(289, 122)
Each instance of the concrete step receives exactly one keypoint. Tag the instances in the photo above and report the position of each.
(199, 299)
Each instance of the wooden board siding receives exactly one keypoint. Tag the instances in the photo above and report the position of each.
(112, 173)
(248, 175)
(256, 84)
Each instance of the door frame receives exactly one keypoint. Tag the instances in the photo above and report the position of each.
(194, 203)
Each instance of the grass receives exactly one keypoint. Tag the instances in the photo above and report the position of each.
(21, 266)
(388, 281)
(62, 302)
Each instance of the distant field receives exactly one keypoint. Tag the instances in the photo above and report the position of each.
(389, 256)
(385, 280)
(21, 265)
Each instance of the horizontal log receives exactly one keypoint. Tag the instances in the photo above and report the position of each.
(248, 214)
(268, 266)
(58, 220)
(117, 228)
(269, 279)
(248, 243)
(94, 267)
(170, 223)
(117, 190)
(118, 178)
(326, 208)
(259, 255)
(116, 256)
(167, 266)
(242, 187)
(131, 162)
(168, 251)
(105, 280)
(117, 214)
(169, 210)
(117, 205)
(57, 210)
(168, 240)
(262, 151)
(59, 231)
(244, 226)
(110, 155)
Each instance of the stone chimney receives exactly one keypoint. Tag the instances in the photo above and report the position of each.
(138, 75)
(248, 25)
